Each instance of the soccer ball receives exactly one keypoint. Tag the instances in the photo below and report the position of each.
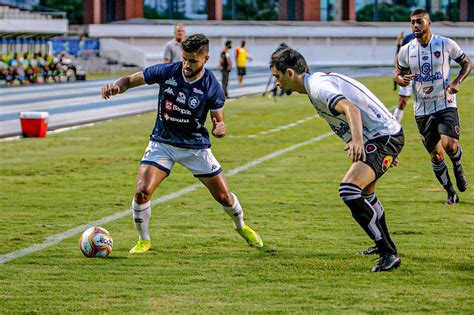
(96, 242)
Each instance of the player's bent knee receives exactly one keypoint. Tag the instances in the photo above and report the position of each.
(142, 194)
(225, 199)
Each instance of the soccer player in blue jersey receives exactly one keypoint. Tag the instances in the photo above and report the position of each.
(188, 92)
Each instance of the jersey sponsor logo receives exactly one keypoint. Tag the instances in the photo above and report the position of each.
(425, 58)
(178, 120)
(413, 56)
(341, 130)
(426, 75)
(183, 111)
(428, 89)
(193, 102)
(374, 110)
(370, 148)
(171, 81)
(437, 54)
(198, 91)
(181, 98)
(169, 90)
(387, 161)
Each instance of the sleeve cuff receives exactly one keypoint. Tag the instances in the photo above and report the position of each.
(333, 102)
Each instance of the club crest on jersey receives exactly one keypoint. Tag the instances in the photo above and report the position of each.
(370, 148)
(169, 90)
(428, 89)
(437, 54)
(181, 98)
(171, 81)
(387, 161)
(426, 68)
(193, 102)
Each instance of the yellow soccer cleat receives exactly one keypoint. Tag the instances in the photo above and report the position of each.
(141, 247)
(252, 238)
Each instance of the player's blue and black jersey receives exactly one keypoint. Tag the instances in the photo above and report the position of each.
(183, 106)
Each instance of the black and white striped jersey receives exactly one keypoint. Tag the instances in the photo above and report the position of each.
(325, 90)
(431, 67)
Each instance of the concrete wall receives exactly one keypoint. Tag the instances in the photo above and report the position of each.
(320, 43)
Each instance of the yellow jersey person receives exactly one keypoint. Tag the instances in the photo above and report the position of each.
(241, 57)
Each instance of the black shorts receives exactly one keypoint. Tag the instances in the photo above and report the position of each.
(241, 71)
(380, 152)
(431, 127)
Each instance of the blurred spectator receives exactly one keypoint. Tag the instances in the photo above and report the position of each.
(27, 68)
(173, 47)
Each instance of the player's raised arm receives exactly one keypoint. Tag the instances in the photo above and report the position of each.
(123, 84)
(355, 147)
(219, 129)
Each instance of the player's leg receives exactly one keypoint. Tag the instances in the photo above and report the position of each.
(219, 189)
(449, 130)
(207, 169)
(428, 128)
(155, 166)
(369, 195)
(404, 95)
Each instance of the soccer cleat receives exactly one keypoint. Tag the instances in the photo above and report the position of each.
(141, 247)
(461, 180)
(252, 238)
(387, 262)
(369, 251)
(452, 199)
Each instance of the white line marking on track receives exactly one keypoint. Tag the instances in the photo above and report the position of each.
(57, 238)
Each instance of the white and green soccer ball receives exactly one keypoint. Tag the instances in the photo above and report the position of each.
(96, 242)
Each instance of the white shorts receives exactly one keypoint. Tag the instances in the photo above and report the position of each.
(201, 162)
(405, 91)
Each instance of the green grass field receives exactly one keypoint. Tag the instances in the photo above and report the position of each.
(199, 264)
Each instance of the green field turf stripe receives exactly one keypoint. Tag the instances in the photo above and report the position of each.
(57, 238)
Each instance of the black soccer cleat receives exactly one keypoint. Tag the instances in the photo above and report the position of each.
(452, 200)
(387, 262)
(369, 251)
(461, 180)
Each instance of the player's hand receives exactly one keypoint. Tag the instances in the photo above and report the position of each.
(218, 128)
(355, 151)
(405, 80)
(109, 90)
(452, 88)
(395, 162)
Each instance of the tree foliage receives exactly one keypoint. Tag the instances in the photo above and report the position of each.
(257, 10)
(386, 13)
(73, 8)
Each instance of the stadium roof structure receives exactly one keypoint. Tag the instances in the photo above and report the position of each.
(19, 23)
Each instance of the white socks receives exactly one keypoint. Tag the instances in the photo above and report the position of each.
(398, 113)
(141, 216)
(235, 212)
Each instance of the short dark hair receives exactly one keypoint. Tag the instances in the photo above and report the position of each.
(197, 43)
(419, 11)
(288, 58)
(228, 42)
(242, 43)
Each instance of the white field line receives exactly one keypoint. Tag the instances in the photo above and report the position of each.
(294, 124)
(55, 239)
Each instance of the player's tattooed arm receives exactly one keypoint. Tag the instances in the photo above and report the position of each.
(218, 125)
(466, 67)
(123, 84)
(355, 147)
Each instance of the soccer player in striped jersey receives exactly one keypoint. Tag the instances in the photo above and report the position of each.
(425, 64)
(372, 135)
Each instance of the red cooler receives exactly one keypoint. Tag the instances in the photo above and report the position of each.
(34, 124)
